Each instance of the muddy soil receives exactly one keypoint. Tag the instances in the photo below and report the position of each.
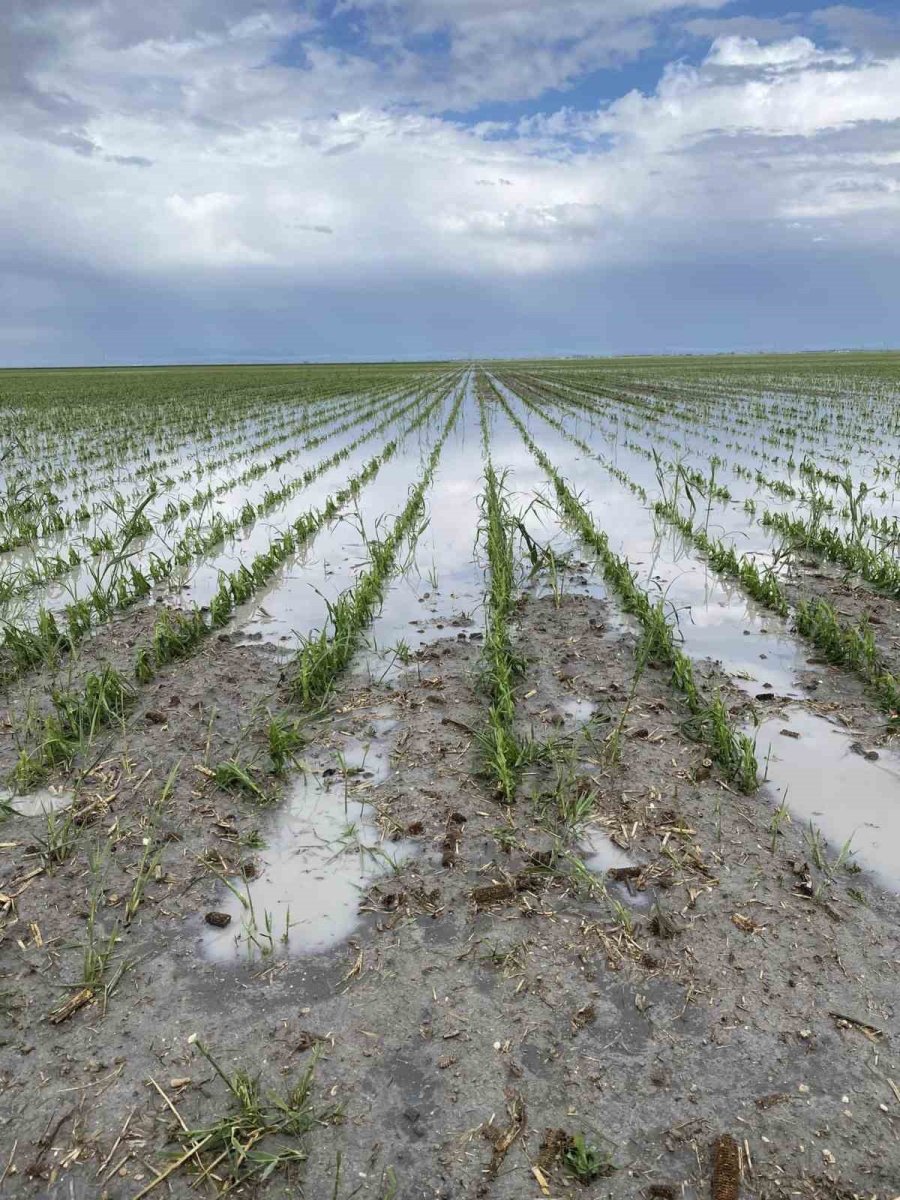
(852, 598)
(635, 981)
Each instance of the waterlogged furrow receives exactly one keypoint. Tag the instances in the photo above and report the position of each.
(32, 511)
(439, 592)
(348, 414)
(26, 646)
(76, 446)
(105, 696)
(876, 565)
(631, 459)
(842, 642)
(715, 621)
(770, 423)
(111, 511)
(252, 487)
(710, 722)
(694, 437)
(177, 632)
(237, 585)
(323, 656)
(299, 596)
(246, 529)
(21, 574)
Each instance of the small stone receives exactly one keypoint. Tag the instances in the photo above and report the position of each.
(863, 752)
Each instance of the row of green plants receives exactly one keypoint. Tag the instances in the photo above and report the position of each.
(615, 404)
(322, 410)
(121, 583)
(503, 752)
(18, 579)
(29, 516)
(42, 571)
(709, 720)
(849, 645)
(841, 642)
(526, 394)
(357, 416)
(877, 566)
(285, 428)
(875, 563)
(348, 414)
(177, 633)
(536, 401)
(75, 717)
(88, 429)
(760, 583)
(323, 655)
(196, 537)
(70, 725)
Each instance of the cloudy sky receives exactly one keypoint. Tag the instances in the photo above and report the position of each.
(233, 180)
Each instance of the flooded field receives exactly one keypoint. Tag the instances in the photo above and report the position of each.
(451, 780)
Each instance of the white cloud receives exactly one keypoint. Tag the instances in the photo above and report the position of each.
(321, 174)
(747, 52)
(796, 52)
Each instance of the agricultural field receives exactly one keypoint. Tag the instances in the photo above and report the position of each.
(451, 780)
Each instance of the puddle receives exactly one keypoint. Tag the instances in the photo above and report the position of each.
(441, 589)
(296, 603)
(600, 855)
(843, 793)
(322, 850)
(37, 804)
(368, 761)
(575, 711)
(715, 618)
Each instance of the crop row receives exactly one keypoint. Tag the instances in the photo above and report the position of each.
(709, 722)
(26, 646)
(849, 644)
(104, 696)
(876, 564)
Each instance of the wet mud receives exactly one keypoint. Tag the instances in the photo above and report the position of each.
(633, 981)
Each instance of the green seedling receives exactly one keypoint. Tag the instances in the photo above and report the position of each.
(285, 741)
(586, 1161)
